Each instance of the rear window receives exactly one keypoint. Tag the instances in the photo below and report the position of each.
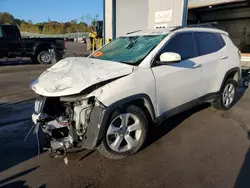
(220, 41)
(11, 32)
(207, 43)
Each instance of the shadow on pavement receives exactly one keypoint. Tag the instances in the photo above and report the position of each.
(243, 179)
(19, 183)
(15, 61)
(172, 122)
(14, 150)
(239, 94)
(169, 124)
(18, 175)
(16, 184)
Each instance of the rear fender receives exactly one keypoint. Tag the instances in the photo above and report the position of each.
(234, 73)
(40, 46)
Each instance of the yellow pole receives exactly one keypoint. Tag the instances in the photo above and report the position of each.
(93, 45)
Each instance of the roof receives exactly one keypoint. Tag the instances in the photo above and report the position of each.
(160, 31)
(164, 31)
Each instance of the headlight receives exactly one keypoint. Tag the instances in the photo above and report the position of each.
(33, 85)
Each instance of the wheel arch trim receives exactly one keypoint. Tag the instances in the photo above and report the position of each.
(235, 70)
(100, 117)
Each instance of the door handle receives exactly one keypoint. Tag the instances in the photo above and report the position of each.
(224, 57)
(196, 66)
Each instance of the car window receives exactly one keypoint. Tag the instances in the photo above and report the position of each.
(182, 44)
(207, 43)
(220, 41)
(10, 32)
(1, 32)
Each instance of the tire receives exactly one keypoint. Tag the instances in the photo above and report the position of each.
(137, 118)
(225, 96)
(246, 83)
(44, 57)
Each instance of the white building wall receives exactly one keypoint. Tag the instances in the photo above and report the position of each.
(134, 15)
(131, 15)
(108, 19)
(173, 7)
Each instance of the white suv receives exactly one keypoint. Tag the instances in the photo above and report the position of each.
(109, 99)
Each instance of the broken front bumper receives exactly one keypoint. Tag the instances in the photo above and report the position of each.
(95, 129)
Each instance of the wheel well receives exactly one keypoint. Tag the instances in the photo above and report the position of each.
(144, 105)
(233, 75)
(42, 47)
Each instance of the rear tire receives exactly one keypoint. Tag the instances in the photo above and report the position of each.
(246, 83)
(122, 141)
(44, 57)
(227, 96)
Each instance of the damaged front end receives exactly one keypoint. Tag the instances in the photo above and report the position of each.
(69, 122)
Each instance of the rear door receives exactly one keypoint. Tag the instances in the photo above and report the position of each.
(212, 57)
(13, 39)
(178, 83)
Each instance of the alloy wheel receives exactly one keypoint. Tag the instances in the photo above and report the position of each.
(228, 95)
(124, 132)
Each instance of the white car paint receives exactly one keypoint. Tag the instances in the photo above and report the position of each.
(72, 75)
(167, 86)
(176, 84)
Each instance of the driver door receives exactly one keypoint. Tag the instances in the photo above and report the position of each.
(178, 84)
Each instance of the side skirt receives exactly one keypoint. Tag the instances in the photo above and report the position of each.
(206, 98)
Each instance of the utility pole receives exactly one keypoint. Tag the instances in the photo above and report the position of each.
(185, 13)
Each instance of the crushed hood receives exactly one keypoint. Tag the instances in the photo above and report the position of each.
(72, 75)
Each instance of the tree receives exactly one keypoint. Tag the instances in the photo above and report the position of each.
(50, 27)
(6, 18)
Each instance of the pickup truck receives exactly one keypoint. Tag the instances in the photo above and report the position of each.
(13, 45)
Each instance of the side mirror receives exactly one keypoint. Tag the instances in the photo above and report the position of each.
(169, 57)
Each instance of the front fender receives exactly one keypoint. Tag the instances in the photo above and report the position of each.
(100, 116)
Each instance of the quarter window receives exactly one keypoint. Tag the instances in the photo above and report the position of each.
(220, 41)
(182, 44)
(207, 43)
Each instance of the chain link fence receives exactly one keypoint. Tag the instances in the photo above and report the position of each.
(68, 35)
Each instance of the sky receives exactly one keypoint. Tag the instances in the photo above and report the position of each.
(56, 10)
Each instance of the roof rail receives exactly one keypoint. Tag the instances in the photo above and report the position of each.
(133, 32)
(202, 25)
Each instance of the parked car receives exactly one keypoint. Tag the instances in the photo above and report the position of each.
(109, 99)
(13, 45)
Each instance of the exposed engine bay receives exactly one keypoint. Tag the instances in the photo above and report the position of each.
(64, 120)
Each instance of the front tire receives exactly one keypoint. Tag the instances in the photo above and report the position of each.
(125, 133)
(227, 96)
(44, 57)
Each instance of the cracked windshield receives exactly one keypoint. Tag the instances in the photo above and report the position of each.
(130, 50)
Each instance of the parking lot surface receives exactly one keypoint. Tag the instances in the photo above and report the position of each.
(202, 147)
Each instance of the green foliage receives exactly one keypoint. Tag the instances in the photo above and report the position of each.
(50, 27)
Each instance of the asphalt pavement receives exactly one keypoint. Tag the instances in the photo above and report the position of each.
(202, 147)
